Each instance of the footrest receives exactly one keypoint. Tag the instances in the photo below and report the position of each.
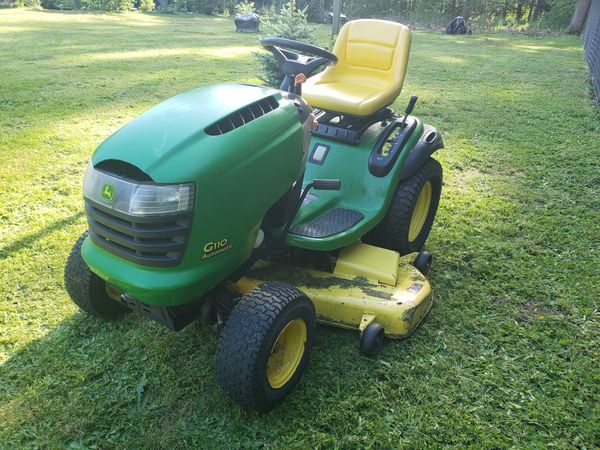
(332, 222)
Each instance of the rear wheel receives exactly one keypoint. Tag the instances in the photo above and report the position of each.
(265, 345)
(88, 290)
(410, 216)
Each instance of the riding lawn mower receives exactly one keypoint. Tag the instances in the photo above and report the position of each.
(264, 211)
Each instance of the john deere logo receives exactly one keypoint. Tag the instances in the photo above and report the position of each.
(108, 192)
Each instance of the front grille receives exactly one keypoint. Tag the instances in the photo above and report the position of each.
(148, 241)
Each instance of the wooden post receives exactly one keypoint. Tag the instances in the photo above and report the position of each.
(335, 22)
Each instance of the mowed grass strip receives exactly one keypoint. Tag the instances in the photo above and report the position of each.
(508, 356)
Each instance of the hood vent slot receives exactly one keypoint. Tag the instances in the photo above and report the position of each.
(242, 116)
(122, 169)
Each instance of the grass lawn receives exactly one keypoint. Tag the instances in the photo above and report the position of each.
(509, 354)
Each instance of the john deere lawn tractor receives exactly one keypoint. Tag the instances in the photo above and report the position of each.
(268, 210)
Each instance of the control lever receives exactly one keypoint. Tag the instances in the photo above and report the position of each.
(409, 108)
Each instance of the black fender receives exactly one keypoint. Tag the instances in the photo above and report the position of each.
(429, 142)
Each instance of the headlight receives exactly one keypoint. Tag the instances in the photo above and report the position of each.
(137, 199)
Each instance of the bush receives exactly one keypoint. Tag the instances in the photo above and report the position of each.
(146, 5)
(107, 5)
(558, 15)
(203, 6)
(28, 3)
(290, 23)
(245, 7)
(61, 4)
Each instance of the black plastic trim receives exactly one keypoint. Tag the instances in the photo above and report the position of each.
(334, 221)
(322, 161)
(153, 241)
(242, 116)
(130, 255)
(124, 170)
(126, 228)
(133, 244)
(429, 142)
(380, 165)
(349, 129)
(174, 317)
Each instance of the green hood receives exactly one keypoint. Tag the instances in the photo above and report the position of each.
(175, 125)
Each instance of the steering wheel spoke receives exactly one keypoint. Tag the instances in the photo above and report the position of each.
(277, 53)
(296, 57)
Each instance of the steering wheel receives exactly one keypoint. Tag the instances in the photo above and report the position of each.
(292, 63)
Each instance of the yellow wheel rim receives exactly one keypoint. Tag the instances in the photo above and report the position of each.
(420, 212)
(286, 353)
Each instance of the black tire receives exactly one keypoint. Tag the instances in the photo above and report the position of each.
(248, 341)
(88, 290)
(371, 339)
(423, 262)
(393, 231)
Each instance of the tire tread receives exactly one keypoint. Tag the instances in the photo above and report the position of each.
(243, 337)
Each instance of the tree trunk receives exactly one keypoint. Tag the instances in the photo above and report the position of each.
(450, 9)
(519, 12)
(505, 9)
(579, 17)
(466, 9)
(335, 21)
(530, 11)
(537, 10)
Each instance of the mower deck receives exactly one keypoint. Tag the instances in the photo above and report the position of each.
(368, 284)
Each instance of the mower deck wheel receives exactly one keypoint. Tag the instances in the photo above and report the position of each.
(264, 345)
(371, 339)
(423, 262)
(88, 290)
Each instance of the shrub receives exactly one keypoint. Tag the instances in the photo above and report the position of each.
(244, 7)
(289, 23)
(107, 5)
(203, 6)
(61, 4)
(146, 5)
(558, 15)
(28, 3)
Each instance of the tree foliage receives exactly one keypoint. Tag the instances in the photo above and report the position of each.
(549, 13)
(245, 7)
(108, 5)
(146, 5)
(289, 23)
(554, 14)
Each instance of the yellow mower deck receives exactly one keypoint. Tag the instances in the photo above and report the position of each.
(368, 284)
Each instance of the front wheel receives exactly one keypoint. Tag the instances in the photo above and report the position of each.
(409, 218)
(88, 290)
(265, 344)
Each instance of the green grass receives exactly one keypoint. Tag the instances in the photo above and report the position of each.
(508, 356)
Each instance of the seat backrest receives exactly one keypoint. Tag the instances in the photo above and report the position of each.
(373, 52)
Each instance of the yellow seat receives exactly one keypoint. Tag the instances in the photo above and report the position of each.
(372, 59)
